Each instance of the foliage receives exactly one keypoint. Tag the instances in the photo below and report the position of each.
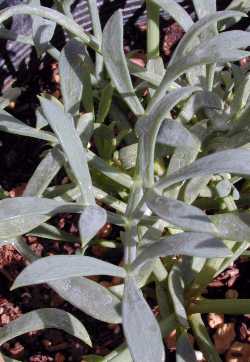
(193, 122)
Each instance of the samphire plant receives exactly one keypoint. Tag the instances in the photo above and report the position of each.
(171, 145)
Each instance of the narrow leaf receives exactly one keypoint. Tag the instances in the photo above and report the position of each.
(232, 226)
(70, 69)
(176, 290)
(141, 329)
(116, 64)
(187, 243)
(177, 12)
(58, 267)
(91, 221)
(178, 213)
(63, 125)
(90, 297)
(235, 161)
(10, 124)
(41, 319)
(19, 215)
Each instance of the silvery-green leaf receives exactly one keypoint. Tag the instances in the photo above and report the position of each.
(44, 173)
(199, 101)
(189, 40)
(19, 215)
(236, 161)
(150, 77)
(223, 48)
(58, 267)
(41, 121)
(177, 12)
(90, 297)
(173, 133)
(127, 156)
(141, 329)
(204, 7)
(156, 66)
(243, 5)
(194, 187)
(48, 231)
(232, 226)
(223, 188)
(187, 243)
(9, 95)
(43, 31)
(162, 109)
(184, 349)
(10, 124)
(63, 125)
(116, 64)
(53, 15)
(176, 290)
(70, 70)
(178, 213)
(41, 319)
(91, 221)
(85, 127)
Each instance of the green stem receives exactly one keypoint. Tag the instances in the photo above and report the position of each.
(223, 306)
(153, 32)
(203, 339)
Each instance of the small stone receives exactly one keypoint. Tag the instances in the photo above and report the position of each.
(224, 336)
(215, 320)
(232, 294)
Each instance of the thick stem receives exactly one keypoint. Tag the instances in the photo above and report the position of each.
(223, 306)
(153, 32)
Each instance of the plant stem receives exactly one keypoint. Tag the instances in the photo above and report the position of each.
(224, 306)
(153, 32)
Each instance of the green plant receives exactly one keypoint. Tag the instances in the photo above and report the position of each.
(181, 154)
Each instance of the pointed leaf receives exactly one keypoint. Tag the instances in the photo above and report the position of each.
(173, 133)
(63, 125)
(90, 297)
(58, 267)
(187, 243)
(177, 12)
(141, 329)
(235, 161)
(116, 64)
(232, 226)
(70, 69)
(91, 221)
(176, 290)
(178, 213)
(19, 215)
(10, 124)
(41, 319)
(189, 40)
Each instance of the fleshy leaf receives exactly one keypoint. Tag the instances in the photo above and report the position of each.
(63, 125)
(70, 69)
(41, 319)
(91, 221)
(58, 267)
(234, 161)
(187, 243)
(90, 297)
(116, 63)
(178, 213)
(141, 329)
(19, 215)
